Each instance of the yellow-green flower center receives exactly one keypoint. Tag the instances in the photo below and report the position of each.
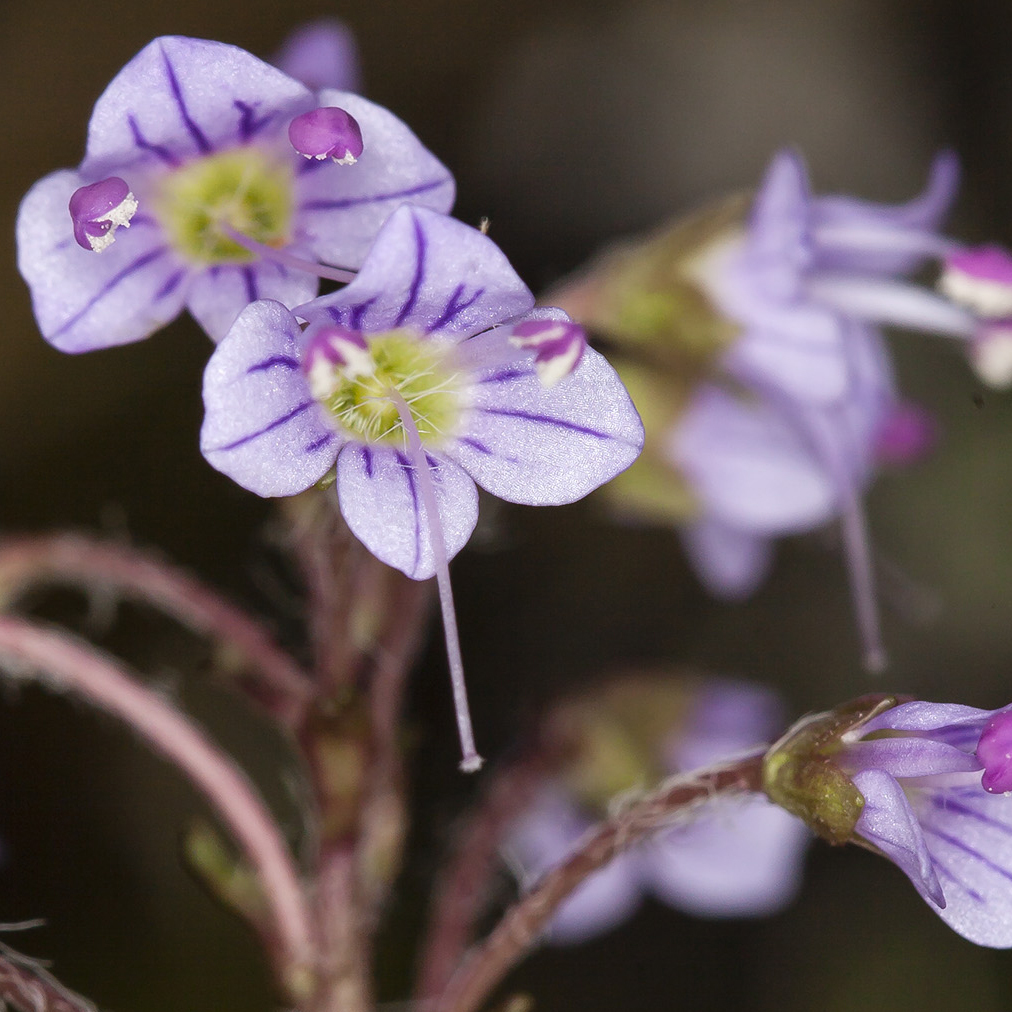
(247, 189)
(414, 367)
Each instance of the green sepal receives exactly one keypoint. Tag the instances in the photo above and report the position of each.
(800, 773)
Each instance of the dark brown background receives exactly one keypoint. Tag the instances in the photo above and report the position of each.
(566, 123)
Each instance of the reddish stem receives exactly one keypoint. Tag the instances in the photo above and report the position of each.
(521, 925)
(81, 669)
(75, 559)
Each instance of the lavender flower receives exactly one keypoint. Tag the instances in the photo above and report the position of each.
(221, 209)
(775, 399)
(924, 784)
(734, 857)
(426, 375)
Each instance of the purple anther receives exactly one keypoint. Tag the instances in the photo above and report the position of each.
(559, 345)
(335, 350)
(98, 209)
(994, 750)
(906, 435)
(327, 132)
(980, 277)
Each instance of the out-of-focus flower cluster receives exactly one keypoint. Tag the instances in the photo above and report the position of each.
(750, 339)
(730, 857)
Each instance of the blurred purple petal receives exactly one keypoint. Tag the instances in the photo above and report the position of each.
(321, 54)
(737, 858)
(730, 562)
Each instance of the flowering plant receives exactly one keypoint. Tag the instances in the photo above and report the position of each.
(377, 367)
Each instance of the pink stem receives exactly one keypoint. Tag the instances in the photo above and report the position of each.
(484, 968)
(470, 762)
(71, 558)
(73, 666)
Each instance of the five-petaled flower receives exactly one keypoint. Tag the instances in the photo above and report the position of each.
(429, 373)
(226, 211)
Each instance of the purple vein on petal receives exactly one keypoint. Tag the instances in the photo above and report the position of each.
(530, 416)
(480, 447)
(277, 423)
(939, 802)
(202, 143)
(250, 280)
(140, 141)
(357, 313)
(952, 877)
(409, 474)
(475, 444)
(249, 125)
(421, 246)
(454, 308)
(171, 285)
(975, 854)
(318, 444)
(139, 264)
(367, 460)
(376, 198)
(286, 361)
(509, 373)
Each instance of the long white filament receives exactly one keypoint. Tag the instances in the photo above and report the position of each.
(289, 260)
(471, 761)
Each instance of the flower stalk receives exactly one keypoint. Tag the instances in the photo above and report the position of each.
(485, 967)
(29, 650)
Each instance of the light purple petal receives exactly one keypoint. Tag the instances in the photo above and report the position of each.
(921, 716)
(180, 97)
(750, 467)
(969, 836)
(341, 207)
(729, 562)
(321, 54)
(219, 294)
(908, 757)
(777, 248)
(380, 499)
(796, 348)
(543, 838)
(262, 427)
(838, 215)
(738, 858)
(85, 300)
(888, 822)
(726, 717)
(429, 272)
(528, 444)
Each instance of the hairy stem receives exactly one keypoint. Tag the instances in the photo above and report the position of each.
(75, 559)
(65, 664)
(521, 925)
(29, 987)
